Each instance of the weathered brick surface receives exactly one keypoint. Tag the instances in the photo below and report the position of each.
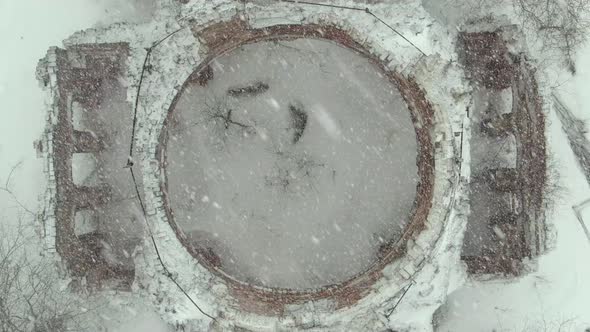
(486, 57)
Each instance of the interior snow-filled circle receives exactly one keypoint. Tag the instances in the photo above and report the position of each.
(291, 163)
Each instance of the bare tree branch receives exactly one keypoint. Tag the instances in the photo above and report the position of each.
(8, 190)
(30, 298)
(562, 25)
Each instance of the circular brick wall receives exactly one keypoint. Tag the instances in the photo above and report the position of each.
(224, 37)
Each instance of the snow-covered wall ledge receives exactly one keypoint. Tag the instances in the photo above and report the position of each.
(46, 70)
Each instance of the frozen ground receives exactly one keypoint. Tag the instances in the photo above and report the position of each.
(294, 164)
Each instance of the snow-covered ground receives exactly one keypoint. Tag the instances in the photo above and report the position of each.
(302, 182)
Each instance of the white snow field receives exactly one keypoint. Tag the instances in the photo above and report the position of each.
(293, 164)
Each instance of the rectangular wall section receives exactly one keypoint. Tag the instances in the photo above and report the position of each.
(94, 225)
(506, 224)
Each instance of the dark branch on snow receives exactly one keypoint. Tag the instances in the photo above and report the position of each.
(253, 89)
(298, 122)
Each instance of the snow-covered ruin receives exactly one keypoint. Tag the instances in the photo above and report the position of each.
(263, 165)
